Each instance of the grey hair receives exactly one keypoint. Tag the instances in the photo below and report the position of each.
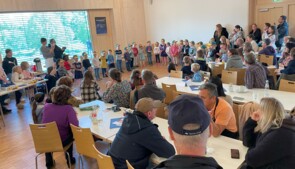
(212, 89)
(250, 58)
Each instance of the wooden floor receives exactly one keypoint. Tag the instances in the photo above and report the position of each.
(16, 145)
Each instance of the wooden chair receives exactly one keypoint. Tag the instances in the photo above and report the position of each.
(206, 75)
(217, 69)
(168, 90)
(175, 94)
(229, 77)
(103, 161)
(273, 74)
(47, 139)
(84, 143)
(131, 99)
(286, 85)
(268, 59)
(161, 112)
(129, 165)
(176, 74)
(241, 75)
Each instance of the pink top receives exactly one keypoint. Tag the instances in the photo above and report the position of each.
(27, 74)
(174, 50)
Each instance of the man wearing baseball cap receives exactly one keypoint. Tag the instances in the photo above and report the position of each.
(138, 137)
(189, 128)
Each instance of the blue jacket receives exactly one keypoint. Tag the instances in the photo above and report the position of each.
(136, 140)
(197, 77)
(290, 69)
(269, 50)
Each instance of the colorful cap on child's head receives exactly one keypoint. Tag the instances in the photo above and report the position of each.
(213, 43)
(203, 46)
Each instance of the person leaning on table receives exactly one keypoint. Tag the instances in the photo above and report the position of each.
(189, 128)
(138, 137)
(270, 136)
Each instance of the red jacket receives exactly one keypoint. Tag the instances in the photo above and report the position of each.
(135, 52)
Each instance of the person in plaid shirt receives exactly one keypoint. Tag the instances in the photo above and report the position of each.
(89, 88)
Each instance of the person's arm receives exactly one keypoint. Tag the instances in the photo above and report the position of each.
(249, 136)
(222, 118)
(47, 52)
(72, 116)
(109, 94)
(15, 61)
(248, 79)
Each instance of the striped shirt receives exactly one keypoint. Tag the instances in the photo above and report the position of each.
(255, 76)
(118, 54)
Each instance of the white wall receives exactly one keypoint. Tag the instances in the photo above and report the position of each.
(192, 19)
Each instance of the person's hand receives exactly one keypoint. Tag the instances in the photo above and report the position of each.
(256, 116)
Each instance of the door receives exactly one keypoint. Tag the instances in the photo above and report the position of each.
(270, 15)
(291, 20)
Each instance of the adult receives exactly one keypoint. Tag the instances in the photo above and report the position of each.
(138, 137)
(48, 53)
(268, 50)
(8, 63)
(283, 30)
(236, 34)
(223, 119)
(240, 44)
(118, 91)
(256, 32)
(290, 69)
(220, 90)
(247, 48)
(63, 114)
(285, 59)
(58, 52)
(234, 60)
(271, 35)
(219, 31)
(265, 30)
(185, 49)
(270, 137)
(149, 89)
(255, 76)
(189, 128)
(251, 39)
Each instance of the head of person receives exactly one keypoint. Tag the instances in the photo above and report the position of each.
(238, 28)
(282, 19)
(266, 26)
(65, 80)
(61, 95)
(51, 70)
(232, 52)
(181, 42)
(85, 55)
(43, 41)
(240, 42)
(24, 65)
(148, 107)
(88, 77)
(186, 60)
(271, 30)
(115, 75)
(61, 63)
(200, 53)
(200, 43)
(254, 27)
(135, 75)
(208, 93)
(75, 57)
(17, 69)
(174, 42)
(157, 44)
(217, 81)
(223, 46)
(162, 41)
(250, 38)
(289, 47)
(189, 125)
(271, 113)
(266, 42)
(65, 57)
(223, 39)
(148, 43)
(147, 76)
(287, 39)
(126, 49)
(218, 28)
(168, 44)
(247, 47)
(52, 42)
(186, 42)
(195, 67)
(8, 53)
(250, 59)
(109, 51)
(192, 43)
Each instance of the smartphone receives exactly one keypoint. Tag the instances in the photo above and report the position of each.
(235, 154)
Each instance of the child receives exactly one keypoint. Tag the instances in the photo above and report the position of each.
(168, 51)
(185, 48)
(118, 53)
(135, 79)
(17, 78)
(171, 66)
(186, 69)
(67, 65)
(110, 59)
(89, 88)
(130, 51)
(96, 64)
(174, 52)
(197, 74)
(223, 52)
(37, 107)
(127, 59)
(180, 52)
(141, 56)
(212, 52)
(51, 77)
(103, 63)
(192, 50)
(27, 76)
(86, 62)
(135, 55)
(199, 45)
(77, 68)
(61, 70)
(157, 53)
(148, 50)
(163, 53)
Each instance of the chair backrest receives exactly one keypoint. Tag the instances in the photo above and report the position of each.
(273, 74)
(129, 166)
(161, 111)
(229, 77)
(103, 161)
(131, 99)
(168, 90)
(217, 69)
(268, 59)
(84, 141)
(176, 74)
(46, 137)
(286, 77)
(241, 75)
(286, 85)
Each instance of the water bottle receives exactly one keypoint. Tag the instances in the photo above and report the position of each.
(266, 89)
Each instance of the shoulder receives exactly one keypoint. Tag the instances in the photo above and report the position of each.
(224, 106)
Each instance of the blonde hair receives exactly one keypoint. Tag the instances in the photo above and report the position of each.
(14, 69)
(24, 65)
(195, 67)
(273, 114)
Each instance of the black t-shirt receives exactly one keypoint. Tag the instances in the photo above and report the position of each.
(186, 71)
(8, 64)
(86, 64)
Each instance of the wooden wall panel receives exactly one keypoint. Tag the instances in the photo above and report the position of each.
(292, 20)
(270, 16)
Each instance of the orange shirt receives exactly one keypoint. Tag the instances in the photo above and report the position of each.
(224, 115)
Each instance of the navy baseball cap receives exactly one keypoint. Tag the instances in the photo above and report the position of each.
(188, 109)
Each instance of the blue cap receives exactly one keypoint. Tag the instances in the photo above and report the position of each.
(188, 109)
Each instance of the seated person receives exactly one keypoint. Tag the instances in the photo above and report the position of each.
(38, 107)
(251, 39)
(61, 70)
(89, 88)
(135, 79)
(268, 50)
(186, 69)
(17, 78)
(138, 137)
(217, 81)
(149, 89)
(51, 78)
(212, 52)
(201, 60)
(223, 119)
(171, 66)
(189, 128)
(255, 76)
(290, 69)
(198, 77)
(234, 60)
(3, 79)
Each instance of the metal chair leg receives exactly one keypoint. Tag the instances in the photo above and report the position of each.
(70, 164)
(36, 160)
(82, 162)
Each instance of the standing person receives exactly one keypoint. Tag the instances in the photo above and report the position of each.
(192, 50)
(96, 65)
(127, 59)
(219, 31)
(168, 51)
(180, 52)
(174, 52)
(148, 51)
(89, 88)
(58, 52)
(110, 59)
(3, 80)
(8, 63)
(163, 53)
(86, 62)
(103, 63)
(283, 30)
(236, 34)
(256, 32)
(185, 48)
(68, 65)
(135, 55)
(189, 129)
(17, 78)
(157, 53)
(47, 52)
(118, 53)
(78, 68)
(141, 55)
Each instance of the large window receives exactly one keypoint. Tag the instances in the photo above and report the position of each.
(21, 32)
